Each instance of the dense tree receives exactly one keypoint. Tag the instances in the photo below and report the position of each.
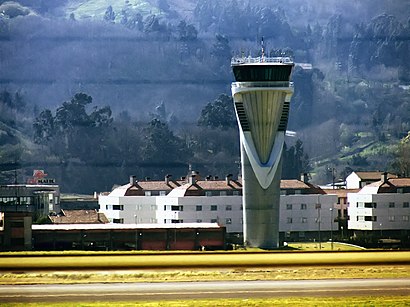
(218, 114)
(161, 147)
(109, 14)
(402, 162)
(295, 161)
(44, 127)
(186, 32)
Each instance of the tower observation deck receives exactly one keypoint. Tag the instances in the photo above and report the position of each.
(261, 95)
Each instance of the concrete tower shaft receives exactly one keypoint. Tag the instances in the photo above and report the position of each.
(262, 96)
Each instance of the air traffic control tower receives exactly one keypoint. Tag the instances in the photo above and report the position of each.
(261, 93)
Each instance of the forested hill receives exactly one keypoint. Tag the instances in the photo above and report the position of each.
(169, 60)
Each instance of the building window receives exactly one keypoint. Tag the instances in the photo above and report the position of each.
(118, 207)
(298, 191)
(222, 193)
(138, 207)
(147, 193)
(214, 207)
(304, 220)
(214, 220)
(153, 220)
(235, 193)
(406, 204)
(108, 207)
(118, 221)
(391, 205)
(162, 193)
(400, 190)
(165, 207)
(370, 218)
(199, 208)
(228, 221)
(303, 206)
(177, 221)
(391, 218)
(199, 221)
(177, 208)
(208, 193)
(288, 206)
(370, 205)
(228, 208)
(153, 207)
(360, 218)
(289, 220)
(405, 218)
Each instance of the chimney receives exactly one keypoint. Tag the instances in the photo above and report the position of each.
(304, 177)
(192, 179)
(167, 178)
(133, 180)
(384, 177)
(228, 179)
(207, 178)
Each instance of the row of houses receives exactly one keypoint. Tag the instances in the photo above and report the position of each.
(307, 211)
(370, 206)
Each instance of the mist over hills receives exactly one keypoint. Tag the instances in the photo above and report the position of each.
(351, 110)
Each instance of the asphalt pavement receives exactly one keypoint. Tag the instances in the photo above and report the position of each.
(202, 290)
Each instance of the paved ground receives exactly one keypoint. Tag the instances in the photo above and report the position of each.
(192, 290)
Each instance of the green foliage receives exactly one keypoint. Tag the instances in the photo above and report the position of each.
(43, 127)
(219, 114)
(295, 161)
(186, 32)
(161, 147)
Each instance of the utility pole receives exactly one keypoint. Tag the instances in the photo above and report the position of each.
(331, 228)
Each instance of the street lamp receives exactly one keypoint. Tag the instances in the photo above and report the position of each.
(331, 228)
(318, 207)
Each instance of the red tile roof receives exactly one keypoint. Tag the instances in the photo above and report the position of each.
(340, 192)
(79, 217)
(373, 175)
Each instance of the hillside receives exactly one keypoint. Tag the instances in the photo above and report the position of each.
(138, 57)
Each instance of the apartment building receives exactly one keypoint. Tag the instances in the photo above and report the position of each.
(382, 206)
(305, 209)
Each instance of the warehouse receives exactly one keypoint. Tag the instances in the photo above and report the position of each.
(189, 236)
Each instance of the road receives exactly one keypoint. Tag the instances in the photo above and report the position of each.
(195, 290)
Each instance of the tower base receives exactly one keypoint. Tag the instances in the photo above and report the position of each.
(260, 208)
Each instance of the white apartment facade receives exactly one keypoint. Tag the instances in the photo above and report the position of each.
(383, 206)
(304, 207)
